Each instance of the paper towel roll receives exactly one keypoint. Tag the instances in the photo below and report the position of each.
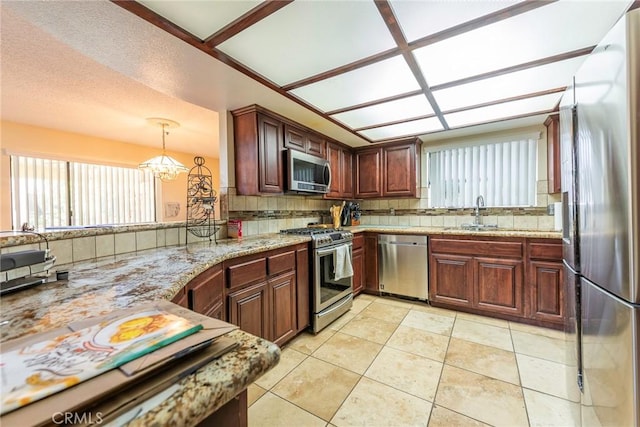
(557, 216)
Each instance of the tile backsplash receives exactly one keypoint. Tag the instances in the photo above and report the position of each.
(90, 243)
(269, 214)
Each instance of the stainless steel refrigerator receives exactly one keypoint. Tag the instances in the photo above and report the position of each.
(600, 152)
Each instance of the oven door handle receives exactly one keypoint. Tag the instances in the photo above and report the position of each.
(320, 252)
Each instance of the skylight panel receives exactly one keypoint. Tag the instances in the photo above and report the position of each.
(415, 127)
(520, 39)
(414, 106)
(504, 110)
(423, 18)
(306, 38)
(201, 18)
(550, 76)
(378, 81)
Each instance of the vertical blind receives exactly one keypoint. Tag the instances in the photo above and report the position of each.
(503, 173)
(39, 192)
(52, 193)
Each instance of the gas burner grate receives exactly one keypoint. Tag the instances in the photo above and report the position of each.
(309, 231)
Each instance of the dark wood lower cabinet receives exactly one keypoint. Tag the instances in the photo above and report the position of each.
(450, 278)
(249, 309)
(371, 263)
(268, 293)
(231, 414)
(303, 296)
(357, 261)
(517, 279)
(181, 298)
(206, 293)
(498, 287)
(282, 291)
(546, 287)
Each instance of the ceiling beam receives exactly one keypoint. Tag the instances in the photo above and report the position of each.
(396, 32)
(518, 67)
(344, 69)
(375, 102)
(395, 122)
(474, 24)
(510, 99)
(470, 107)
(161, 22)
(253, 16)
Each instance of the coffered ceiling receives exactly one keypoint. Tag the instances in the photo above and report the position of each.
(387, 69)
(359, 71)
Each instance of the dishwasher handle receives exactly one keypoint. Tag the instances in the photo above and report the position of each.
(402, 243)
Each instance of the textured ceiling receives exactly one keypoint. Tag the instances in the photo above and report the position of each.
(357, 71)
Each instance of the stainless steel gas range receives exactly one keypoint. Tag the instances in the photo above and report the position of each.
(332, 284)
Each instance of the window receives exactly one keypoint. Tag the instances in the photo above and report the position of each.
(51, 193)
(503, 173)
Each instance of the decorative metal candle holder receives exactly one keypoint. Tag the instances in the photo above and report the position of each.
(201, 199)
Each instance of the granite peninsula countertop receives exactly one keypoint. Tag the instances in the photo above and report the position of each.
(100, 286)
(106, 284)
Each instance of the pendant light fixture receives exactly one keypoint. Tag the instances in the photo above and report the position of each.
(163, 167)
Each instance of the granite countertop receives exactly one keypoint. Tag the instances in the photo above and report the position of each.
(454, 231)
(100, 286)
(106, 284)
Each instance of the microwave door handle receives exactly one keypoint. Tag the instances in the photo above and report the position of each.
(327, 175)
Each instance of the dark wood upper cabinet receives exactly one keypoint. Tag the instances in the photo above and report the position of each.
(294, 138)
(316, 145)
(261, 137)
(341, 164)
(399, 171)
(553, 153)
(303, 140)
(390, 170)
(258, 152)
(369, 173)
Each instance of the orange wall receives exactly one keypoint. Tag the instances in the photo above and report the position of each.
(16, 138)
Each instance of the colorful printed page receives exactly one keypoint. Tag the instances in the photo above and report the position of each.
(38, 370)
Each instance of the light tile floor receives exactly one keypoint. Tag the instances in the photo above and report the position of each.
(392, 362)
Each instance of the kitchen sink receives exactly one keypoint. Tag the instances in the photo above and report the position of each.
(479, 227)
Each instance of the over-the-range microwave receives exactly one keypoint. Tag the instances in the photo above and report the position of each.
(306, 173)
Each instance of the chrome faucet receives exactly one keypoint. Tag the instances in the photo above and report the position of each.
(479, 204)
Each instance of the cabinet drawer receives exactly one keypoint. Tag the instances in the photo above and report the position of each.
(477, 248)
(546, 251)
(358, 241)
(247, 272)
(281, 262)
(206, 290)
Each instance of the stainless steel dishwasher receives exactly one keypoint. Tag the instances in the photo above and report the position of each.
(402, 265)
